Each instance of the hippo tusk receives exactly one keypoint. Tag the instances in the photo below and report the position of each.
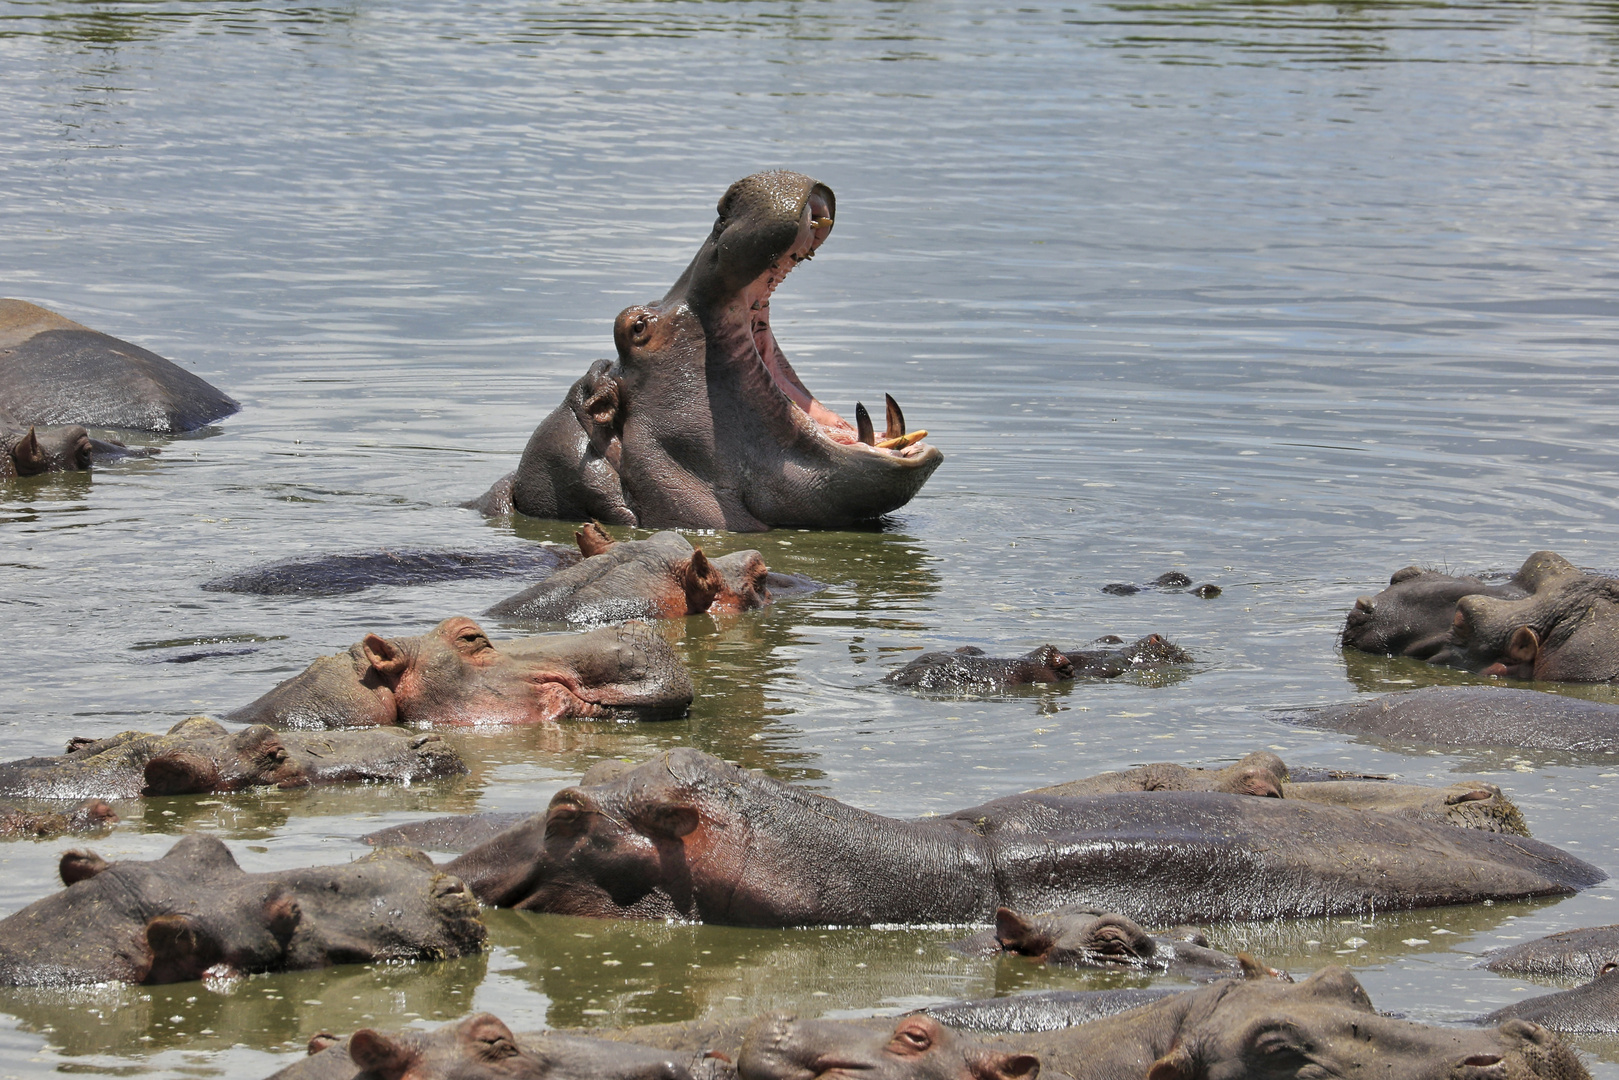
(896, 419)
(862, 420)
(903, 441)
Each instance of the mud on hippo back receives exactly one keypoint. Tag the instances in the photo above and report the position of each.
(700, 421)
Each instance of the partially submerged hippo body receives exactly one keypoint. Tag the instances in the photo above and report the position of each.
(687, 835)
(700, 422)
(199, 755)
(1552, 622)
(195, 912)
(20, 822)
(1081, 937)
(455, 675)
(1573, 954)
(661, 577)
(1324, 1026)
(1044, 1010)
(1468, 804)
(1592, 1009)
(480, 1047)
(55, 371)
(968, 670)
(337, 575)
(1460, 717)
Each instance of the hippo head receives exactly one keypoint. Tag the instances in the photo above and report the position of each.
(455, 675)
(1566, 629)
(1092, 939)
(700, 421)
(42, 450)
(1326, 1026)
(194, 913)
(782, 1047)
(1412, 617)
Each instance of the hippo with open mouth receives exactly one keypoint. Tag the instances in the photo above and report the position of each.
(700, 422)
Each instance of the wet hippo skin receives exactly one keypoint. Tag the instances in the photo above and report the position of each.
(1458, 717)
(687, 835)
(55, 371)
(700, 421)
(195, 912)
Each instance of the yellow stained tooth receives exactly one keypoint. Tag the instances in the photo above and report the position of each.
(900, 442)
(821, 222)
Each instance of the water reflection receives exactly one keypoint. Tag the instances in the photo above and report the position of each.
(110, 23)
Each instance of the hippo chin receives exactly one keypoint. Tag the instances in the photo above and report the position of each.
(700, 422)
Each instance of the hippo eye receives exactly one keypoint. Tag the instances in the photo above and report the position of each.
(912, 1039)
(1279, 1046)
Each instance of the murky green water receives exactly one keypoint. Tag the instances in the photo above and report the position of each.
(1285, 296)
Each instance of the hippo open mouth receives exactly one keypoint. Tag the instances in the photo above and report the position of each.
(700, 421)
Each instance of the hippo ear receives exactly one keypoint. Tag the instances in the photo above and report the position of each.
(182, 949)
(1011, 929)
(701, 581)
(79, 866)
(28, 455)
(1524, 646)
(489, 1037)
(321, 1040)
(1178, 1064)
(592, 539)
(989, 1065)
(602, 404)
(282, 916)
(388, 659)
(379, 1055)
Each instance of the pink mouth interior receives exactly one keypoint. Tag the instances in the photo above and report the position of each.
(757, 296)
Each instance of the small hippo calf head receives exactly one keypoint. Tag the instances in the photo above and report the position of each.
(195, 913)
(480, 1047)
(782, 1047)
(1083, 938)
(455, 675)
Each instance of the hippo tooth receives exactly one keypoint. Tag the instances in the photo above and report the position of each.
(862, 420)
(902, 441)
(821, 222)
(896, 419)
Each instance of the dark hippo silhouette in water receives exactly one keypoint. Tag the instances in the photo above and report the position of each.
(700, 422)
(455, 675)
(968, 670)
(687, 835)
(55, 371)
(195, 912)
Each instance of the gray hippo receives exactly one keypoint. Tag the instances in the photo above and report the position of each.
(455, 675)
(700, 422)
(690, 836)
(481, 1047)
(1592, 1009)
(1254, 1029)
(24, 821)
(661, 577)
(199, 755)
(1413, 616)
(28, 450)
(1573, 954)
(194, 912)
(55, 371)
(1460, 717)
(968, 670)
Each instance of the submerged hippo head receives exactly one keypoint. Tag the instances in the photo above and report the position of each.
(1083, 938)
(1566, 629)
(700, 421)
(194, 912)
(480, 1047)
(455, 675)
(1326, 1026)
(782, 1047)
(1412, 617)
(35, 450)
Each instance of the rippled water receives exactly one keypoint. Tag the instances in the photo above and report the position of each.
(1285, 296)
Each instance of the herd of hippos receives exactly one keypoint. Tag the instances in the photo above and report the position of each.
(700, 422)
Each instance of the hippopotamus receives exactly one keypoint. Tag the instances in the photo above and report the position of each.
(1413, 616)
(480, 1047)
(1592, 1009)
(199, 755)
(337, 575)
(700, 422)
(1044, 1010)
(690, 836)
(455, 675)
(28, 449)
(195, 913)
(1573, 954)
(56, 371)
(661, 577)
(968, 670)
(1262, 1029)
(19, 821)
(1173, 581)
(1470, 804)
(1460, 717)
(1082, 937)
